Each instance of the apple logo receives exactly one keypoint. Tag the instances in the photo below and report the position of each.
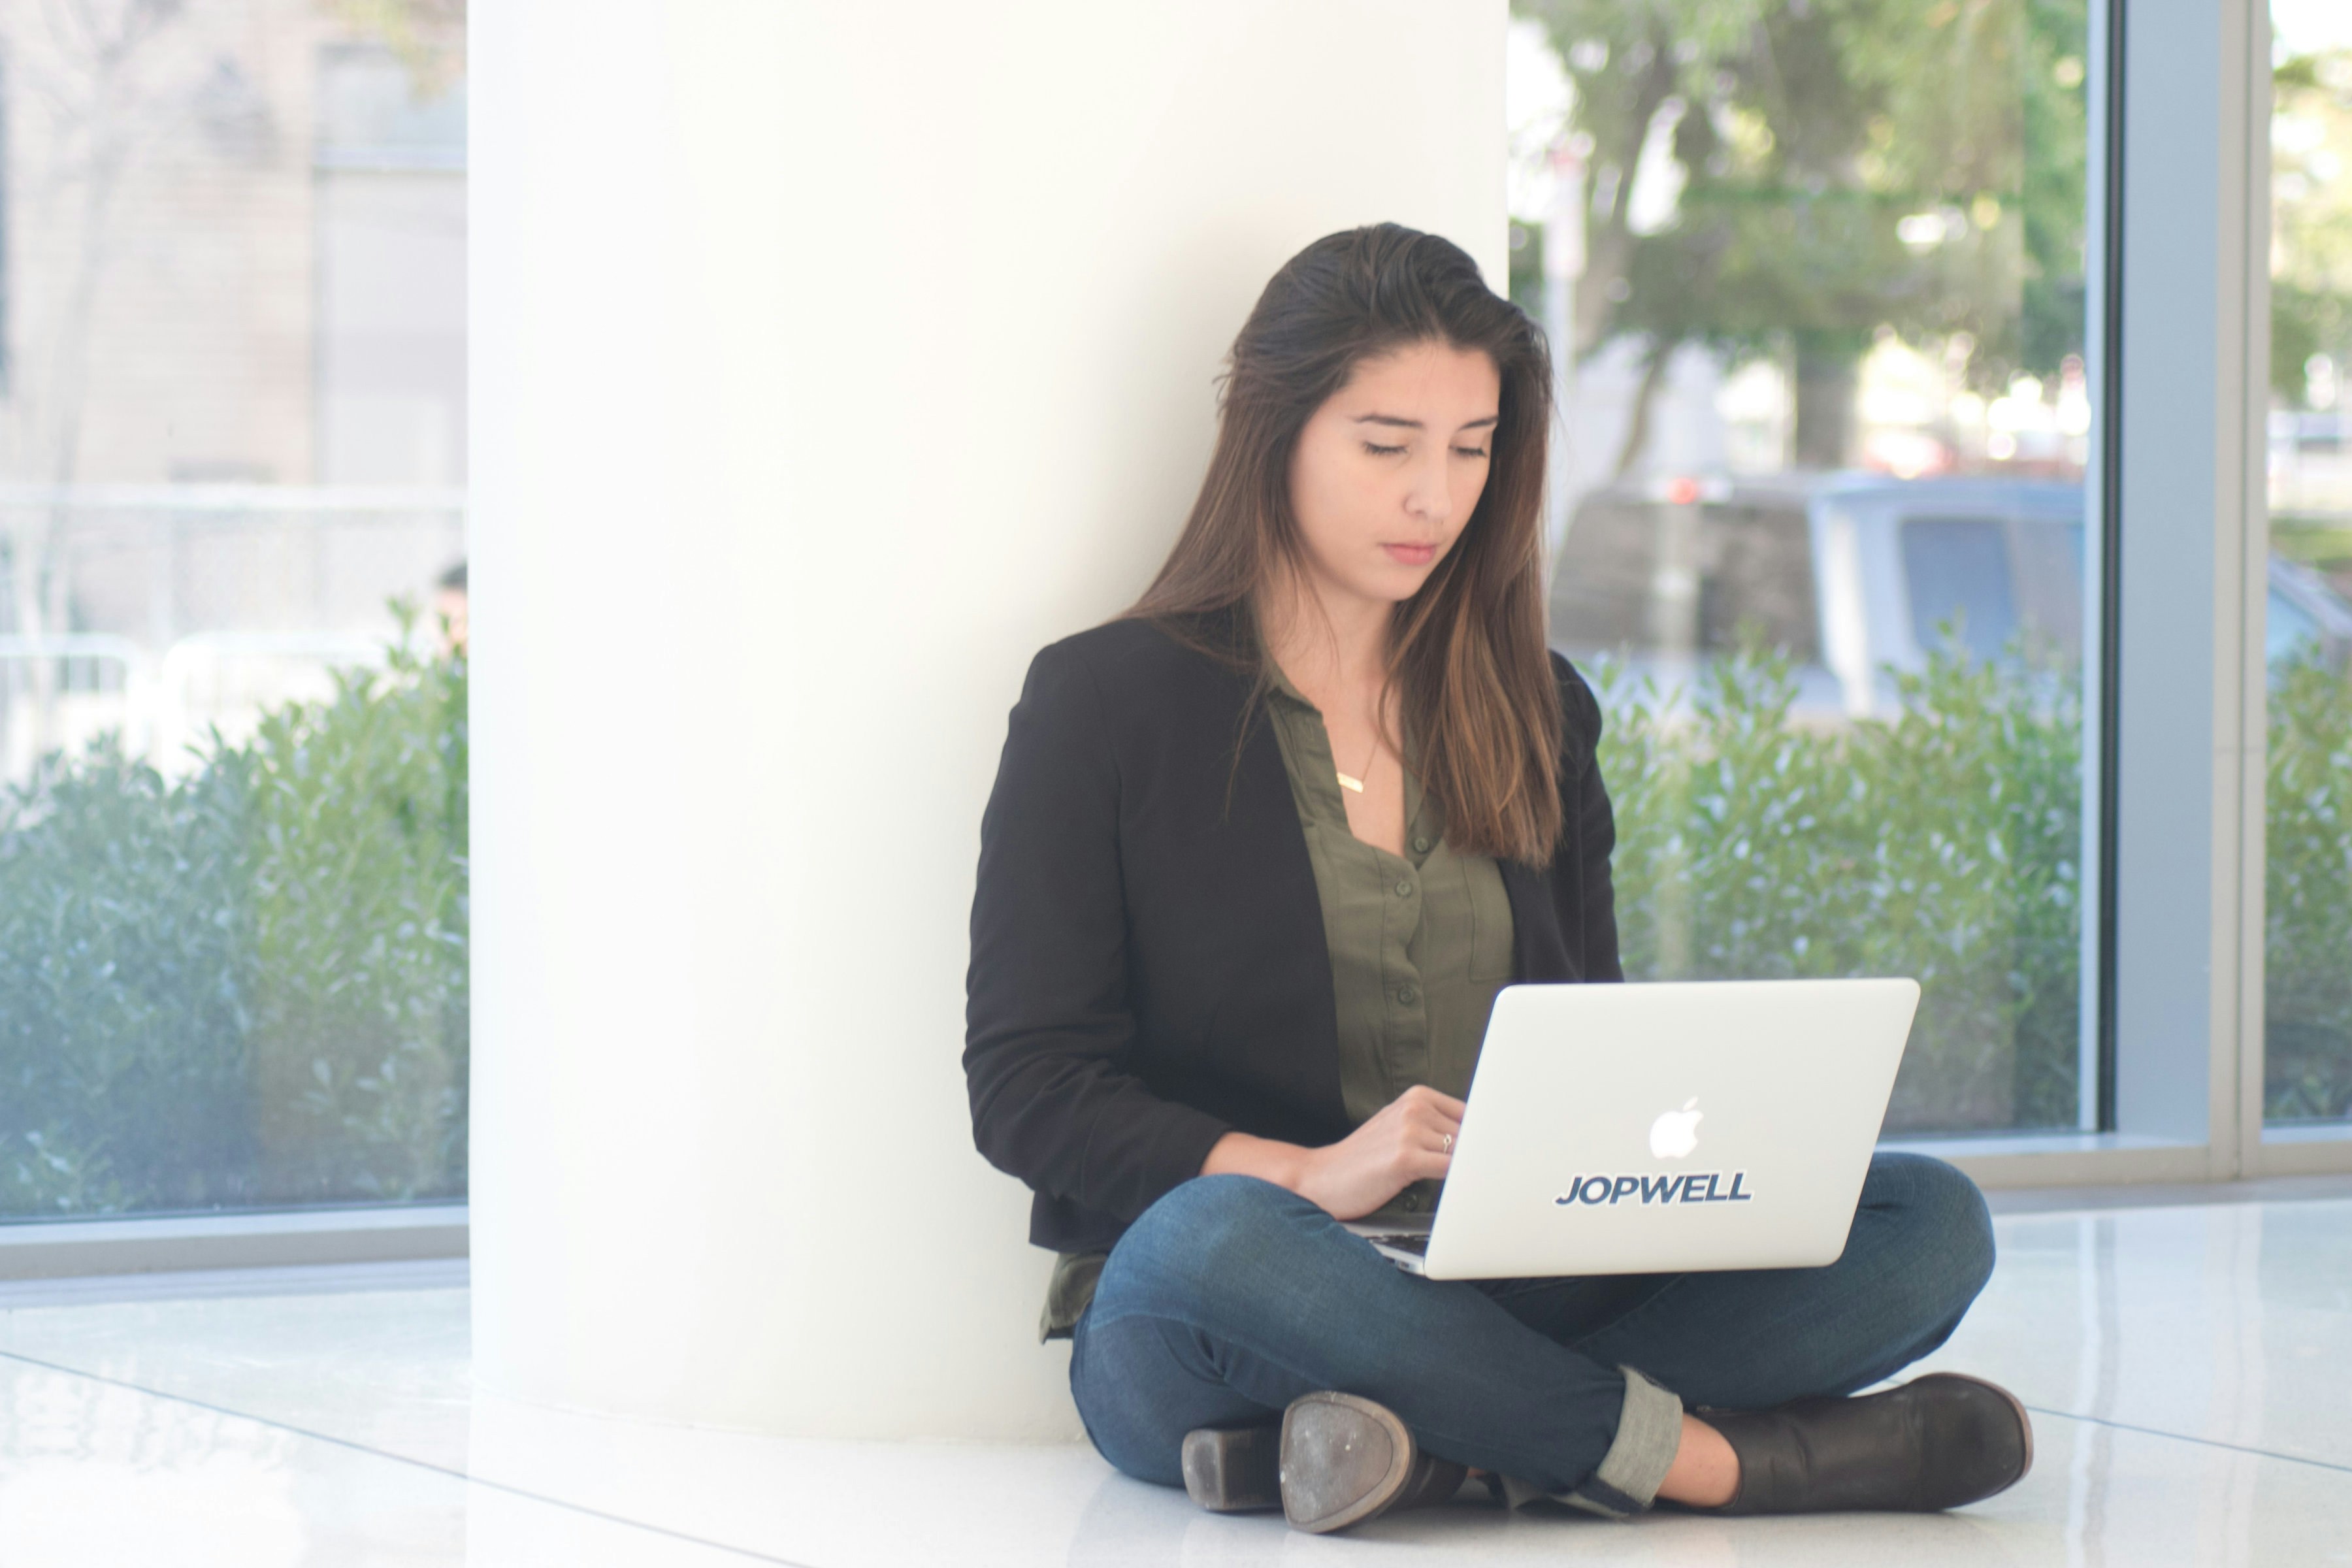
(1674, 1135)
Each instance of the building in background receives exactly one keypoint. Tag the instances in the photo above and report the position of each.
(232, 353)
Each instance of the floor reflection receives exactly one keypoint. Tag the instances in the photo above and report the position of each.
(2195, 1410)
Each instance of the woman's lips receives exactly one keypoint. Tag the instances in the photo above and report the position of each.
(1411, 555)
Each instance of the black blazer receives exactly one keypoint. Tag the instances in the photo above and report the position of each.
(1148, 963)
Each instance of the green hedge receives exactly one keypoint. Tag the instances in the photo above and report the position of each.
(1945, 844)
(246, 987)
(2308, 888)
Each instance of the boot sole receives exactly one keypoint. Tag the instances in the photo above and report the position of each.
(1343, 1460)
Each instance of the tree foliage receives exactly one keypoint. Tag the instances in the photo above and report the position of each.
(1803, 132)
(2311, 217)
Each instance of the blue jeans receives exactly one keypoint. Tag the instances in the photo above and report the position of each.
(1231, 1297)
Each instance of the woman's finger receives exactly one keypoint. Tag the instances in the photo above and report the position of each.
(1437, 1116)
(1425, 1144)
(1438, 1121)
(1434, 1099)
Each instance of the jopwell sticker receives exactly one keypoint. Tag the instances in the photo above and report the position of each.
(1690, 1188)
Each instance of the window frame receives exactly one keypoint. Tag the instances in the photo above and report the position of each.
(81, 1247)
(2182, 698)
(2262, 1150)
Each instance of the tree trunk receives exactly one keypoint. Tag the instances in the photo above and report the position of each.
(1828, 376)
(1608, 236)
(1637, 424)
(43, 595)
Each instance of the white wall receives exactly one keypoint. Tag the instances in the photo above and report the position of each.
(829, 359)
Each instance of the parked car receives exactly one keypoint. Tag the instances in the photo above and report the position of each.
(1850, 575)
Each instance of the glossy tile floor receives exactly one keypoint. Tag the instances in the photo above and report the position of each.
(2190, 1369)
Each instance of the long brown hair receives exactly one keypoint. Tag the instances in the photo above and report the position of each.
(1466, 654)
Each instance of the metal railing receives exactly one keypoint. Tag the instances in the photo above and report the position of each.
(187, 607)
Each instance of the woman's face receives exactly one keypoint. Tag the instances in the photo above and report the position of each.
(1387, 472)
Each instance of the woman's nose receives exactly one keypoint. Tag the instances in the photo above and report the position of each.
(1430, 496)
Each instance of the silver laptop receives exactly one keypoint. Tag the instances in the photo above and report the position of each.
(1663, 1128)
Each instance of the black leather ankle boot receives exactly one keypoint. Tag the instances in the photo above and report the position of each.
(1933, 1443)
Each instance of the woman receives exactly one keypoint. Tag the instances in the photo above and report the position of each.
(1259, 855)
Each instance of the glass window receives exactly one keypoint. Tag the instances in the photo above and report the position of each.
(1955, 571)
(2289, 632)
(2308, 997)
(233, 883)
(1815, 282)
(1658, 577)
(2050, 587)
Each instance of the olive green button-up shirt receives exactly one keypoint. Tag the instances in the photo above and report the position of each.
(1420, 943)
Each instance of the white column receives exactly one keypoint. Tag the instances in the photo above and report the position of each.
(829, 359)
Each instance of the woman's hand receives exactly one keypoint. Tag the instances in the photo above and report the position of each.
(1411, 1139)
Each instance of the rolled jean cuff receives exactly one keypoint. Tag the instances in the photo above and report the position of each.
(1626, 1481)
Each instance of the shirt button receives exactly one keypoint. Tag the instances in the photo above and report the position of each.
(1407, 995)
(1411, 1202)
(1404, 888)
(1421, 845)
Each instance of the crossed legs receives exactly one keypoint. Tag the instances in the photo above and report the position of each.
(1231, 1297)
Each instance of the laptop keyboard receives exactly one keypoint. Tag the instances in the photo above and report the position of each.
(1415, 1242)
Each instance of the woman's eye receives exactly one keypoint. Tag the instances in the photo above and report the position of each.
(1471, 451)
(1380, 451)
